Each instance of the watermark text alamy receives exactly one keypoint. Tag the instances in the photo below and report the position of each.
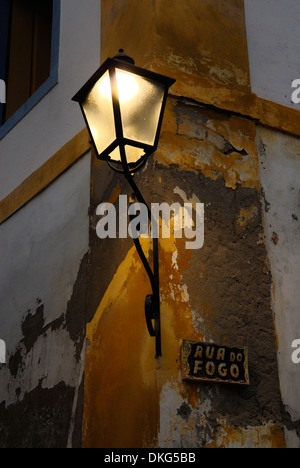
(2, 92)
(166, 220)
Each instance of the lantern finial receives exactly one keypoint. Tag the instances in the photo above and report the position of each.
(125, 58)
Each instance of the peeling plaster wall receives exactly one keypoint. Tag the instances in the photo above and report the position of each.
(42, 314)
(201, 43)
(272, 31)
(280, 170)
(44, 255)
(220, 293)
(224, 292)
(239, 289)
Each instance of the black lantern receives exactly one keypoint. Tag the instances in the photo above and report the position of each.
(123, 107)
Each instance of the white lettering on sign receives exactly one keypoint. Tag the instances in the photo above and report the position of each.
(211, 362)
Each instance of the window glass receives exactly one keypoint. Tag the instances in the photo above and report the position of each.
(26, 52)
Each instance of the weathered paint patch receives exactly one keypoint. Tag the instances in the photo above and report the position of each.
(43, 407)
(247, 215)
(40, 420)
(202, 44)
(201, 428)
(266, 436)
(279, 172)
(214, 142)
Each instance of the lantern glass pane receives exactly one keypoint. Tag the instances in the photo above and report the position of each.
(140, 104)
(132, 154)
(98, 109)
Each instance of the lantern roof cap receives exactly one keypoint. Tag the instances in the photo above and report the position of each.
(123, 62)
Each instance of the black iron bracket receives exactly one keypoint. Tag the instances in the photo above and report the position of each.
(152, 302)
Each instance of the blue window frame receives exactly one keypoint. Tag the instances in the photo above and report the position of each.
(47, 85)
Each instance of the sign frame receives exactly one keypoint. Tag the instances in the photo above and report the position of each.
(209, 362)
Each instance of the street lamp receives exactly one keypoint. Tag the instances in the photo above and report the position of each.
(123, 107)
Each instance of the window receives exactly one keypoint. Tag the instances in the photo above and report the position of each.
(29, 32)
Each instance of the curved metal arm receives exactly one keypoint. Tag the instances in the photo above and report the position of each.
(152, 303)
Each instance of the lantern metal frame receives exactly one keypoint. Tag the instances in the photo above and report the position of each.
(127, 64)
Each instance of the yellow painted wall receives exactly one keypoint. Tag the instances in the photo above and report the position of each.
(132, 399)
(201, 43)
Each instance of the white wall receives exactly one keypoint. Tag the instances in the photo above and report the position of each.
(273, 44)
(41, 248)
(43, 244)
(56, 119)
(280, 179)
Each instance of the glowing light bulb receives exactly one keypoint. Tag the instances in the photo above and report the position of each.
(127, 86)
